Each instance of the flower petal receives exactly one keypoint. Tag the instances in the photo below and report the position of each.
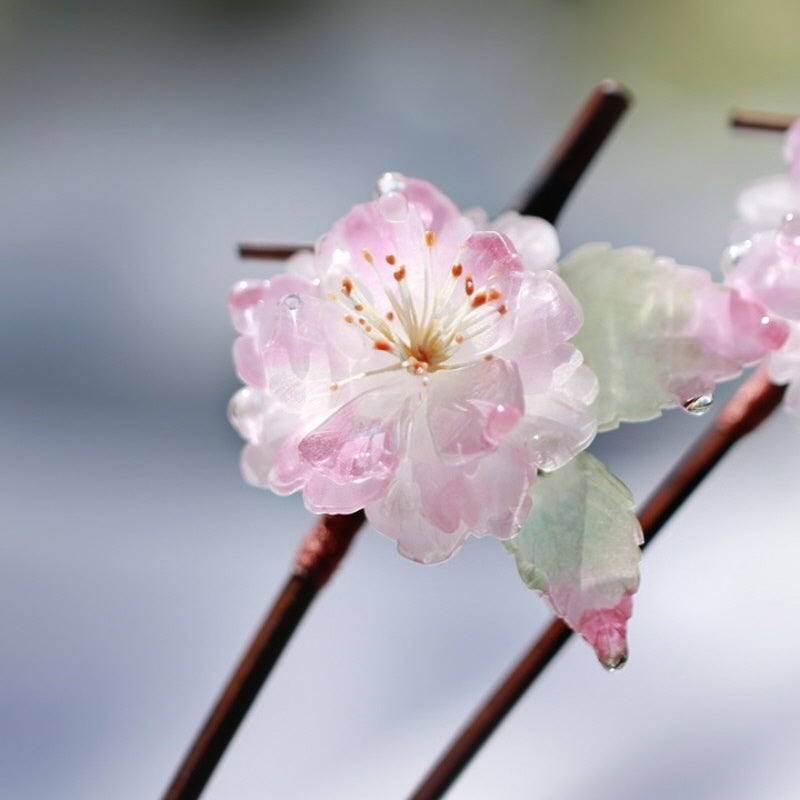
(534, 238)
(767, 269)
(549, 314)
(399, 516)
(470, 410)
(361, 441)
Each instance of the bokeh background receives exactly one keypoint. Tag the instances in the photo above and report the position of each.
(138, 144)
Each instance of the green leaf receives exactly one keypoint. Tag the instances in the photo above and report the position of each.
(580, 549)
(645, 333)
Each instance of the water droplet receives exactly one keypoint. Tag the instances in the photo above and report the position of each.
(736, 252)
(699, 405)
(789, 235)
(292, 301)
(615, 662)
(389, 183)
(393, 207)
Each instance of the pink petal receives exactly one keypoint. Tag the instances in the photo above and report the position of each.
(549, 315)
(251, 303)
(555, 429)
(534, 239)
(322, 495)
(398, 516)
(436, 211)
(470, 410)
(492, 499)
(739, 330)
(361, 441)
(431, 507)
(248, 361)
(768, 269)
(243, 301)
(373, 241)
(495, 268)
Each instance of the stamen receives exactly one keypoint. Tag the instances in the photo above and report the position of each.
(479, 299)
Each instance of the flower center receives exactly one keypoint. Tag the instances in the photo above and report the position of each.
(424, 327)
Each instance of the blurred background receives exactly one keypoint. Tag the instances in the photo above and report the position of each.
(138, 144)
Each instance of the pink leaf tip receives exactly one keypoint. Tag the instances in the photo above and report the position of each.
(605, 629)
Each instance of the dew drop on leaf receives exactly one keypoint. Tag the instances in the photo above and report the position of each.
(699, 405)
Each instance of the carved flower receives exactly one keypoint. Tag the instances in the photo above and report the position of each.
(416, 366)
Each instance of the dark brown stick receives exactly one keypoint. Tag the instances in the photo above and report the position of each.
(581, 142)
(761, 120)
(270, 252)
(318, 557)
(752, 403)
(563, 170)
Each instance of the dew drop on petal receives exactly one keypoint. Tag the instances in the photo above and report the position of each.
(291, 301)
(736, 252)
(393, 207)
(390, 183)
(789, 235)
(699, 405)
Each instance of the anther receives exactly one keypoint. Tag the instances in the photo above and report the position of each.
(430, 238)
(457, 270)
(391, 260)
(469, 285)
(400, 274)
(381, 345)
(479, 300)
(367, 256)
(347, 286)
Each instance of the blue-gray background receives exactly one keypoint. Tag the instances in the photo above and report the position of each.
(138, 143)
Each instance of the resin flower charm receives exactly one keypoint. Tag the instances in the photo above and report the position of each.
(415, 366)
(765, 267)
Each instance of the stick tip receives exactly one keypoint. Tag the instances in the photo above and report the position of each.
(615, 91)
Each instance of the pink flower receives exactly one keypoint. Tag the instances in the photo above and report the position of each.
(414, 367)
(765, 267)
